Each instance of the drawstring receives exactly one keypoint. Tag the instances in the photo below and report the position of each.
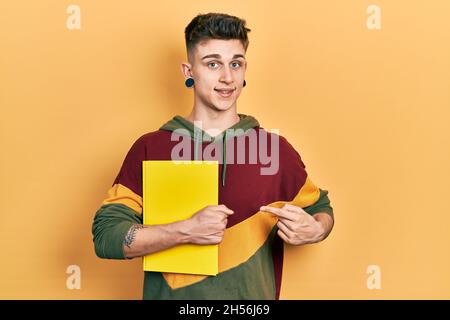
(224, 168)
(224, 158)
(196, 149)
(196, 142)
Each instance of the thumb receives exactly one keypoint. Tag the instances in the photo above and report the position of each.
(223, 208)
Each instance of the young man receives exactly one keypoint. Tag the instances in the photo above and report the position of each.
(260, 211)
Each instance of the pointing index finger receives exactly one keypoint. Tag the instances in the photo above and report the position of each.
(281, 213)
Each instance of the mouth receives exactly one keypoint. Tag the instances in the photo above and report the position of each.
(225, 92)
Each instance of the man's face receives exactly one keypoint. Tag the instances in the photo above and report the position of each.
(218, 69)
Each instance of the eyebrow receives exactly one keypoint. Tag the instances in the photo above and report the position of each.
(217, 56)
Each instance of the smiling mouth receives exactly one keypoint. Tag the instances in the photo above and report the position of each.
(225, 92)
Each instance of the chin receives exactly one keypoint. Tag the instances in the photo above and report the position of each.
(222, 106)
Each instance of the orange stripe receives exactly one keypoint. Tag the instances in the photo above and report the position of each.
(118, 193)
(241, 241)
(308, 195)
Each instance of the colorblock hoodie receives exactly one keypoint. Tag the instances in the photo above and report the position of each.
(251, 252)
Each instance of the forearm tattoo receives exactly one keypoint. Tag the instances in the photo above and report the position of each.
(131, 235)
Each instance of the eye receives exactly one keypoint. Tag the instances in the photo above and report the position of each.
(212, 63)
(236, 64)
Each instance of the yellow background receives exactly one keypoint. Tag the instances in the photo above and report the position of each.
(368, 110)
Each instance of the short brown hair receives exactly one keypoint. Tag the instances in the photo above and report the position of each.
(215, 26)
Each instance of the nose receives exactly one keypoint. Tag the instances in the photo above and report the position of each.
(226, 76)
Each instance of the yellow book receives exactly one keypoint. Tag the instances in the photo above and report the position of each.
(174, 191)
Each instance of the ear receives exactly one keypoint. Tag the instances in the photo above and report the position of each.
(186, 70)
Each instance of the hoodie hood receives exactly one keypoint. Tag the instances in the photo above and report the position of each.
(199, 136)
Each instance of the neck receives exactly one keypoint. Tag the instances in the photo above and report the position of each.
(214, 121)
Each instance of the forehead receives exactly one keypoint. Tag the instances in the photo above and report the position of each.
(226, 48)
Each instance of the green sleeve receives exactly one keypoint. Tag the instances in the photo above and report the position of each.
(321, 205)
(110, 226)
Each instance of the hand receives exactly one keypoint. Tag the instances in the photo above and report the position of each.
(207, 226)
(296, 226)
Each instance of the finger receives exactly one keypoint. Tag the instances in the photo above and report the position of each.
(301, 221)
(224, 209)
(228, 212)
(293, 208)
(285, 229)
(282, 213)
(283, 236)
(298, 210)
(285, 225)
